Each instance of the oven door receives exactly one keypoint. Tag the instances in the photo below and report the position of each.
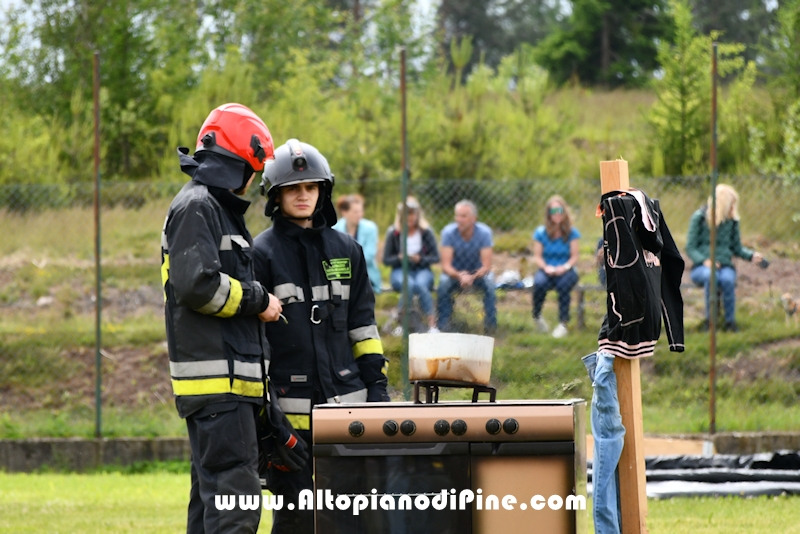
(394, 471)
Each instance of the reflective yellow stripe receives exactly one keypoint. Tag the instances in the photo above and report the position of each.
(385, 368)
(234, 299)
(245, 388)
(165, 274)
(368, 346)
(213, 386)
(203, 386)
(299, 422)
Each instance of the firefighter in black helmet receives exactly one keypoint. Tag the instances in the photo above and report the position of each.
(214, 309)
(330, 350)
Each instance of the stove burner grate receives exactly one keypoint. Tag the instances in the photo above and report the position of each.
(432, 390)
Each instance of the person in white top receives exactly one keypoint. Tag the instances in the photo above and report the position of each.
(422, 253)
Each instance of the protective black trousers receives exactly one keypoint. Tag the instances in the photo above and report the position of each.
(224, 463)
(285, 521)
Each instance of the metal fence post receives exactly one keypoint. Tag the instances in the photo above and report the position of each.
(98, 428)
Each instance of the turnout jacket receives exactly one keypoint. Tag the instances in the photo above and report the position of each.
(643, 270)
(215, 338)
(330, 350)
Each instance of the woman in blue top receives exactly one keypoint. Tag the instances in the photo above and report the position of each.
(555, 252)
(353, 223)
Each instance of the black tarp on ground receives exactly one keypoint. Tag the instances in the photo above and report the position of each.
(722, 475)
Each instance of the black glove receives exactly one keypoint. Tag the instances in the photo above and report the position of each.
(289, 451)
(377, 393)
(278, 443)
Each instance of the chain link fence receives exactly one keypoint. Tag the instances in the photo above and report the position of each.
(47, 285)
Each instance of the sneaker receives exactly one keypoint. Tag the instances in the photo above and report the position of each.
(560, 330)
(433, 330)
(398, 331)
(541, 325)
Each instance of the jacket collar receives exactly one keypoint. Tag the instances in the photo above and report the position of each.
(233, 202)
(213, 170)
(287, 227)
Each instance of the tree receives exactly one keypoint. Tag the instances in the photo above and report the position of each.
(146, 57)
(497, 27)
(738, 21)
(681, 117)
(608, 42)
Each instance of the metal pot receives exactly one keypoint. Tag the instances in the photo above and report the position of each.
(457, 357)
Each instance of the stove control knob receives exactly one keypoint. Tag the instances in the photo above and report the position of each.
(459, 427)
(356, 429)
(408, 427)
(510, 426)
(493, 426)
(390, 427)
(441, 427)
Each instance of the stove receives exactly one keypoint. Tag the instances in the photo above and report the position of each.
(452, 467)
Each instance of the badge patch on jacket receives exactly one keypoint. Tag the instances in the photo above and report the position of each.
(338, 269)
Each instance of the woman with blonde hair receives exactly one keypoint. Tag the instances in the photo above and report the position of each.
(728, 245)
(555, 252)
(422, 253)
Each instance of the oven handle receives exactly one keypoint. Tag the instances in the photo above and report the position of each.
(392, 449)
(538, 448)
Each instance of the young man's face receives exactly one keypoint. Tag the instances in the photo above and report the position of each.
(299, 200)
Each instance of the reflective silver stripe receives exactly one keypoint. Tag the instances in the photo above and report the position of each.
(340, 289)
(241, 241)
(320, 293)
(363, 332)
(164, 233)
(299, 378)
(289, 292)
(225, 242)
(296, 405)
(192, 369)
(251, 370)
(220, 297)
(356, 396)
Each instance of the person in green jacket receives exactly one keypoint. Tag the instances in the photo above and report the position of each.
(729, 244)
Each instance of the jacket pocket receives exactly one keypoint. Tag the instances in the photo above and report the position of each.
(347, 374)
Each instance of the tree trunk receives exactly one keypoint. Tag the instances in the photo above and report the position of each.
(605, 49)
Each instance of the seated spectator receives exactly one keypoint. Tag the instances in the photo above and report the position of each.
(467, 262)
(422, 253)
(600, 259)
(365, 232)
(555, 252)
(729, 244)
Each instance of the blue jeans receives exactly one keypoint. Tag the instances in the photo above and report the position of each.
(420, 283)
(609, 437)
(726, 281)
(449, 286)
(542, 283)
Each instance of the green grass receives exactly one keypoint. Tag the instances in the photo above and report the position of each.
(79, 421)
(156, 502)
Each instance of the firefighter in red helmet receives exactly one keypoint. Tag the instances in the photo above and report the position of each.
(214, 311)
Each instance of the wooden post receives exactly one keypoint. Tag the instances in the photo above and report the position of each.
(632, 490)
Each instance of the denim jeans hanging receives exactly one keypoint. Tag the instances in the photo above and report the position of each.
(609, 436)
